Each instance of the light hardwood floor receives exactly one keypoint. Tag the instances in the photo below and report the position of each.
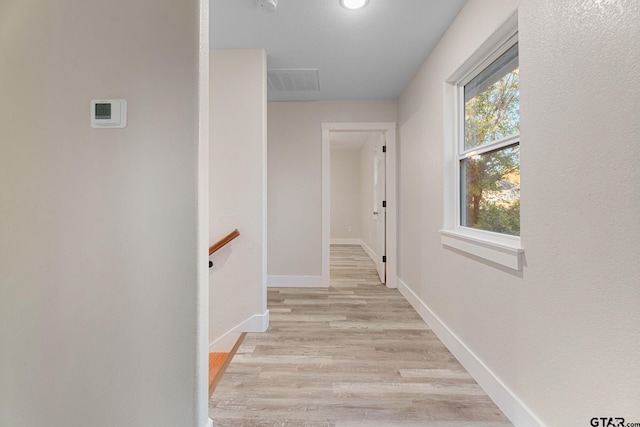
(353, 355)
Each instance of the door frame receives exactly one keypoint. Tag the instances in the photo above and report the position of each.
(389, 130)
(201, 392)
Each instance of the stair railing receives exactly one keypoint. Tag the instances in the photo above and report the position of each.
(222, 242)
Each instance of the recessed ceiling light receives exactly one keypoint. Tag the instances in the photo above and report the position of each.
(354, 4)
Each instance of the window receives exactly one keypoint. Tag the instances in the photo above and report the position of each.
(482, 153)
(489, 153)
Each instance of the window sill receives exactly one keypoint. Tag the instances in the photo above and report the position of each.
(503, 250)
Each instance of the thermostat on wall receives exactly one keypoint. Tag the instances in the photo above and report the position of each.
(108, 113)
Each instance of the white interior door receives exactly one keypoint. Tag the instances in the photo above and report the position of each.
(379, 208)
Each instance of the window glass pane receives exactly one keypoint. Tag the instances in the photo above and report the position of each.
(492, 102)
(491, 191)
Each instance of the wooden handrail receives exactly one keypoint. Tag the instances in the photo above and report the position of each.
(226, 239)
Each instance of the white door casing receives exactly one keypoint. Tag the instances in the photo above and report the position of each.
(388, 129)
(379, 208)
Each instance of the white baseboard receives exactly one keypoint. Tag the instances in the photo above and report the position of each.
(376, 259)
(210, 423)
(225, 343)
(504, 398)
(296, 282)
(344, 241)
(372, 254)
(256, 323)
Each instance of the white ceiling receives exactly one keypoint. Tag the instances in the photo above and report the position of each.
(367, 54)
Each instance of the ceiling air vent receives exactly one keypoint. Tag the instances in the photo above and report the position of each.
(293, 79)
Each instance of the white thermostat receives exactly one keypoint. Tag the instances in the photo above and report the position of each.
(108, 113)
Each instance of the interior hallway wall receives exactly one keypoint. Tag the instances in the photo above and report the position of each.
(98, 227)
(238, 192)
(345, 195)
(295, 177)
(563, 335)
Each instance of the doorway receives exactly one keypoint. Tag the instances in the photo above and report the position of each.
(383, 205)
(358, 193)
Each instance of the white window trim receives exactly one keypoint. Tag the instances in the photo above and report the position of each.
(498, 248)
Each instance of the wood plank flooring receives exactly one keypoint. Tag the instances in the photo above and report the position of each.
(353, 355)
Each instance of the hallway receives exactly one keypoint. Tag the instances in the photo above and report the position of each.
(355, 354)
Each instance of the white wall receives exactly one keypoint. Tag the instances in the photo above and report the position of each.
(562, 335)
(238, 190)
(345, 194)
(294, 177)
(98, 261)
